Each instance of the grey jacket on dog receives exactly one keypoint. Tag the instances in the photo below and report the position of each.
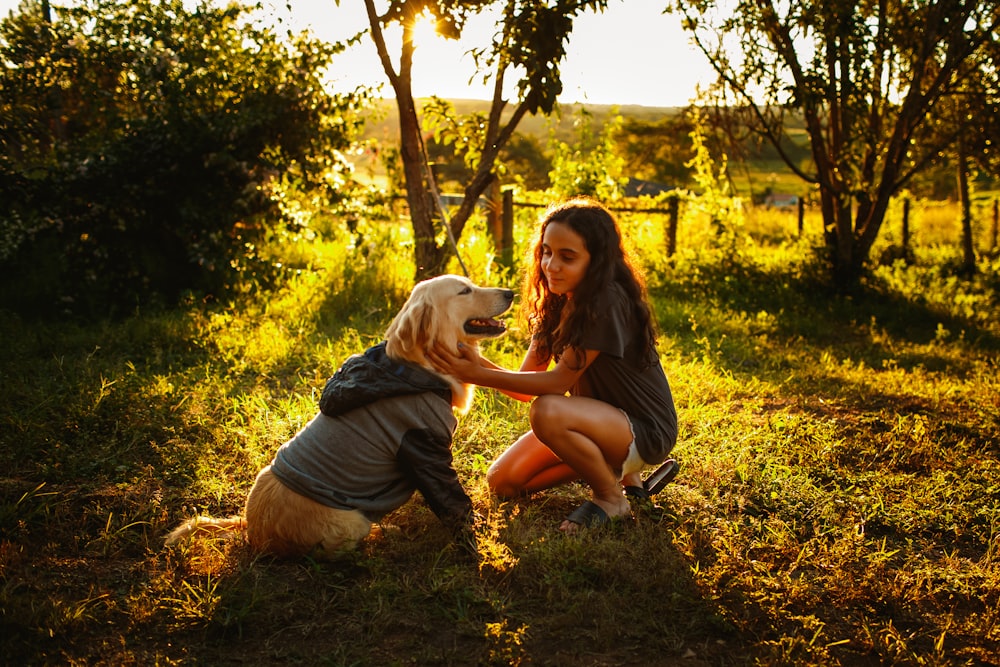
(384, 430)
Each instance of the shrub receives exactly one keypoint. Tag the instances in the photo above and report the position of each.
(145, 144)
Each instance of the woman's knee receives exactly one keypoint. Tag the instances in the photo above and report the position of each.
(500, 480)
(545, 415)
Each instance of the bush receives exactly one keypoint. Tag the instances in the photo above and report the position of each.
(146, 143)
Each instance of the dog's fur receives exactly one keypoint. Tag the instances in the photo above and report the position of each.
(445, 310)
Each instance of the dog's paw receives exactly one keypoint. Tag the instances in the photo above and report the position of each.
(464, 538)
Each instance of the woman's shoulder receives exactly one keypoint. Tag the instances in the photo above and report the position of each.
(611, 307)
(611, 295)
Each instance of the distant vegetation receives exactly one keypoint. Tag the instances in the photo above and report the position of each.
(754, 167)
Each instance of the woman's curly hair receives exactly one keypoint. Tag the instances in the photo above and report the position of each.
(559, 323)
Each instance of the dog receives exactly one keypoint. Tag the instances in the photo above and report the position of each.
(384, 430)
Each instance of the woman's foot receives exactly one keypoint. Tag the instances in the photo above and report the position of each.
(632, 480)
(596, 512)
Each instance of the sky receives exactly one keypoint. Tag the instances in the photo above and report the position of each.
(630, 54)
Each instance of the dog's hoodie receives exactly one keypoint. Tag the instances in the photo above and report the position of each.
(384, 430)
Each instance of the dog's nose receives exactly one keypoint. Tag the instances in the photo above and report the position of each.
(508, 294)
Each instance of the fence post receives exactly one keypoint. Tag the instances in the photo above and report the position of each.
(507, 231)
(996, 225)
(802, 215)
(673, 207)
(906, 227)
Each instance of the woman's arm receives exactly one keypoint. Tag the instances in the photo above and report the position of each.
(532, 380)
(527, 365)
(530, 364)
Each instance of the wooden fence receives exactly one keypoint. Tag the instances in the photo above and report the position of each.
(501, 225)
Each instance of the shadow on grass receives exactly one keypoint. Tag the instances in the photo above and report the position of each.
(623, 596)
(804, 307)
(743, 565)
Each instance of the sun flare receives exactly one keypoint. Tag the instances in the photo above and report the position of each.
(425, 31)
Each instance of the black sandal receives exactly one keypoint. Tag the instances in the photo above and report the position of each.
(659, 478)
(637, 493)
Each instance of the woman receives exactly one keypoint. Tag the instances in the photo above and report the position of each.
(604, 410)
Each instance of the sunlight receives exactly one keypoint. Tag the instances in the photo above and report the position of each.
(425, 31)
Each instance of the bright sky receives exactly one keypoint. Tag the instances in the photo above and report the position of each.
(630, 54)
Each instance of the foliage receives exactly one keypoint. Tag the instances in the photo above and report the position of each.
(837, 502)
(867, 80)
(454, 149)
(524, 56)
(589, 165)
(527, 163)
(147, 145)
(656, 150)
(714, 199)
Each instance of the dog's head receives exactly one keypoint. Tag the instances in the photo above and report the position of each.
(448, 310)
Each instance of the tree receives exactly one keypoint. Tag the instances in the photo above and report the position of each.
(657, 150)
(975, 109)
(141, 140)
(529, 43)
(864, 77)
(588, 166)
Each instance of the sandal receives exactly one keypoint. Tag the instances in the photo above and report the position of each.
(590, 515)
(642, 502)
(660, 477)
(637, 494)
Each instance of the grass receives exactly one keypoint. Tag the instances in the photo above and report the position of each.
(838, 504)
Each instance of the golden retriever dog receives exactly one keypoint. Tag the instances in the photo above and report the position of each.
(384, 430)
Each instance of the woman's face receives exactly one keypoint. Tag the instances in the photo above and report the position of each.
(565, 258)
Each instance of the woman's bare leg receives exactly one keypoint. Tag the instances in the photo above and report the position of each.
(527, 466)
(592, 438)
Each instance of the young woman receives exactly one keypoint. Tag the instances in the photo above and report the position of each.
(604, 409)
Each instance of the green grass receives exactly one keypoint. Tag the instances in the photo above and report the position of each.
(838, 504)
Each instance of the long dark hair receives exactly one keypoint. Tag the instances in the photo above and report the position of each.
(559, 323)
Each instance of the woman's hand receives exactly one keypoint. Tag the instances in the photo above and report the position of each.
(464, 365)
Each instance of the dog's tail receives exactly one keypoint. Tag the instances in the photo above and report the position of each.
(205, 524)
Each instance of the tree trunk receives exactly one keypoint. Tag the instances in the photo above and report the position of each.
(840, 242)
(968, 248)
(427, 256)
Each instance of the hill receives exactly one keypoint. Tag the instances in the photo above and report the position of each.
(385, 123)
(754, 168)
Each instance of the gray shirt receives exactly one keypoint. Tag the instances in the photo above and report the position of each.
(629, 376)
(384, 430)
(351, 462)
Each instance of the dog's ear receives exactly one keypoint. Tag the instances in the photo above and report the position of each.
(409, 333)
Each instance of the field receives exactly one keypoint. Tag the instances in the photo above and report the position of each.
(838, 503)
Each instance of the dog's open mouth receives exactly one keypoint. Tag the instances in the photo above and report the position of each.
(484, 326)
